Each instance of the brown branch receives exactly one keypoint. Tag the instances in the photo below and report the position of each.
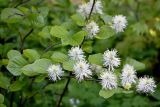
(64, 90)
(22, 39)
(94, 1)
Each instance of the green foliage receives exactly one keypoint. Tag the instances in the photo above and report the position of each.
(56, 28)
(106, 93)
(59, 57)
(96, 59)
(105, 32)
(136, 64)
(78, 19)
(38, 67)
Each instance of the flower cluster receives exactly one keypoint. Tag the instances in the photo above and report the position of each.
(106, 72)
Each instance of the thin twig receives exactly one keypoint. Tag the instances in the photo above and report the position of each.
(23, 39)
(94, 1)
(49, 47)
(21, 3)
(64, 90)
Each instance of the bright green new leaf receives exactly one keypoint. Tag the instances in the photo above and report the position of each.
(96, 59)
(78, 19)
(136, 64)
(87, 46)
(106, 93)
(59, 57)
(1, 98)
(59, 32)
(40, 66)
(77, 38)
(16, 86)
(105, 32)
(31, 54)
(15, 64)
(13, 53)
(68, 65)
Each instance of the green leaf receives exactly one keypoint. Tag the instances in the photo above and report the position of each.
(106, 18)
(105, 32)
(16, 86)
(1, 98)
(106, 93)
(140, 28)
(77, 38)
(2, 105)
(13, 53)
(59, 56)
(40, 78)
(68, 65)
(15, 64)
(40, 66)
(136, 64)
(59, 32)
(87, 46)
(4, 82)
(78, 19)
(11, 15)
(96, 59)
(31, 54)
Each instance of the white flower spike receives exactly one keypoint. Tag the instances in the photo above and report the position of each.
(146, 85)
(55, 72)
(82, 70)
(76, 53)
(128, 75)
(85, 8)
(110, 59)
(119, 23)
(108, 80)
(92, 28)
(97, 6)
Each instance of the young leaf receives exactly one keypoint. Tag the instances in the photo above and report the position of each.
(68, 65)
(13, 53)
(31, 54)
(40, 66)
(105, 32)
(78, 19)
(59, 32)
(96, 59)
(16, 86)
(106, 93)
(59, 57)
(4, 82)
(11, 15)
(15, 64)
(136, 64)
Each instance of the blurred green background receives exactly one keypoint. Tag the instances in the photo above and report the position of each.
(141, 41)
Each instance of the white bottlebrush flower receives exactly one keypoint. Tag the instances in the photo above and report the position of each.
(110, 59)
(108, 80)
(84, 10)
(82, 70)
(146, 85)
(55, 72)
(119, 23)
(92, 28)
(97, 6)
(128, 75)
(76, 53)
